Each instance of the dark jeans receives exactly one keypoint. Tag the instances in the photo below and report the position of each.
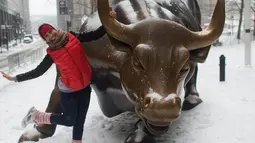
(74, 106)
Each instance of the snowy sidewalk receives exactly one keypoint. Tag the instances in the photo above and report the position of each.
(226, 115)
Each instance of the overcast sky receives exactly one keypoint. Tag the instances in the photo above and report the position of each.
(42, 7)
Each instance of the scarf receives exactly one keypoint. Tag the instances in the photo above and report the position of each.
(60, 40)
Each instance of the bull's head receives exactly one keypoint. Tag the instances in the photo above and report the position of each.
(154, 74)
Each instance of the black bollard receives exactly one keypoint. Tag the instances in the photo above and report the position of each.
(222, 67)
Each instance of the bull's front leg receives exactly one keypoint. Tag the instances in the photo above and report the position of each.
(44, 131)
(192, 98)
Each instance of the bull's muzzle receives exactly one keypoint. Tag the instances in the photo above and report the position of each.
(158, 112)
(163, 110)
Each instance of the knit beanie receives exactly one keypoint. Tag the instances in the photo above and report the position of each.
(43, 29)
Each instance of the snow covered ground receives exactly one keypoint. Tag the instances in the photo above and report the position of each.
(226, 115)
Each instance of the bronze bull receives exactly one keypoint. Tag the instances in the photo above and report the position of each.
(148, 57)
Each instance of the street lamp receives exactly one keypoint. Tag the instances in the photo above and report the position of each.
(18, 26)
(6, 36)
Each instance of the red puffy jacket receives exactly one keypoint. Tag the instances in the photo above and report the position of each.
(73, 64)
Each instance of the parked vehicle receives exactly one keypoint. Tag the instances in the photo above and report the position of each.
(30, 36)
(27, 40)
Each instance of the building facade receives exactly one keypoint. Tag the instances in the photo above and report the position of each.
(26, 16)
(14, 20)
(70, 13)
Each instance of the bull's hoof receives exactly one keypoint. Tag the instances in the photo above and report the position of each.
(139, 137)
(190, 102)
(30, 135)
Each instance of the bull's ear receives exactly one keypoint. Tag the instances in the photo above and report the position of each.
(199, 55)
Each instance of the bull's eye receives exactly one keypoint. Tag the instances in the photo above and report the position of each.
(184, 69)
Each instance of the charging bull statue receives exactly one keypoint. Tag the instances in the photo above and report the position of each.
(148, 57)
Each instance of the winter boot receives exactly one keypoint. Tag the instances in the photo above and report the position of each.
(35, 116)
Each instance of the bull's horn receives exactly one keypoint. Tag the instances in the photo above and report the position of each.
(212, 32)
(116, 29)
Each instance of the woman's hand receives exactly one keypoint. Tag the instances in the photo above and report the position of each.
(8, 77)
(113, 14)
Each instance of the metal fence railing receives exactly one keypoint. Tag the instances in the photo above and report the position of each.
(21, 59)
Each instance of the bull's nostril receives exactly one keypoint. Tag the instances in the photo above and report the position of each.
(178, 101)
